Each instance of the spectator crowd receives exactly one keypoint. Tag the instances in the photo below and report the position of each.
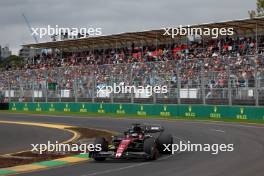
(191, 64)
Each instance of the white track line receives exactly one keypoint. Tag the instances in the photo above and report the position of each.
(221, 131)
(115, 170)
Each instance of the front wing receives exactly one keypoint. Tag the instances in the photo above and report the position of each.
(125, 155)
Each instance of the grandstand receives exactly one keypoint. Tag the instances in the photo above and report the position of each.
(202, 70)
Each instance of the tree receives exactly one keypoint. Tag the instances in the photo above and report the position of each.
(11, 61)
(260, 7)
(259, 11)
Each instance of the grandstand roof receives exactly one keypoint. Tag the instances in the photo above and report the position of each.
(240, 27)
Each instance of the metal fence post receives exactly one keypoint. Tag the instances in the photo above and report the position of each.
(59, 92)
(112, 85)
(132, 83)
(20, 89)
(46, 87)
(256, 91)
(178, 84)
(9, 89)
(153, 93)
(203, 84)
(75, 90)
(229, 87)
(59, 86)
(33, 88)
(93, 87)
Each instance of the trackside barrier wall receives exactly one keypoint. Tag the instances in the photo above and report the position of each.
(173, 111)
(4, 106)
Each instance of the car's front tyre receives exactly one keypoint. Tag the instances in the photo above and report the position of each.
(104, 146)
(164, 139)
(150, 148)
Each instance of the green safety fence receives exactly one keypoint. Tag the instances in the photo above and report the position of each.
(148, 110)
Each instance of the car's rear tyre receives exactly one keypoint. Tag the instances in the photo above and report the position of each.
(150, 148)
(104, 146)
(164, 139)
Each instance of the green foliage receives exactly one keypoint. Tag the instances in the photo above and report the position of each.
(11, 61)
(260, 7)
(259, 12)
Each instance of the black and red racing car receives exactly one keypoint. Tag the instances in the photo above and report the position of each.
(139, 141)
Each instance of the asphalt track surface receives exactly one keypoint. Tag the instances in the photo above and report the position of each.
(246, 160)
(15, 137)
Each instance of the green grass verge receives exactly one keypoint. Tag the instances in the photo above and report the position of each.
(51, 163)
(112, 115)
(5, 172)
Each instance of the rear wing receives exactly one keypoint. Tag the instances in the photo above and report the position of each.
(153, 128)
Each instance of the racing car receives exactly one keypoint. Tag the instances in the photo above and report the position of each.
(140, 141)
